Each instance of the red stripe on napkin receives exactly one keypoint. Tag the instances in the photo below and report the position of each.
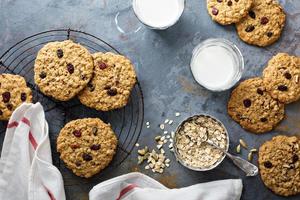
(32, 140)
(50, 194)
(12, 124)
(126, 190)
(25, 121)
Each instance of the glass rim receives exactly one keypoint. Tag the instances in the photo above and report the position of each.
(135, 9)
(236, 53)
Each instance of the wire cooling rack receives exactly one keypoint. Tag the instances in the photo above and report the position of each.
(126, 122)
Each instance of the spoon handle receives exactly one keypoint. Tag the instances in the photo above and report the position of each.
(247, 167)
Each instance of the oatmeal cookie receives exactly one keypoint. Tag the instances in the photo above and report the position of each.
(14, 92)
(253, 108)
(228, 11)
(63, 69)
(279, 165)
(263, 24)
(87, 146)
(110, 88)
(281, 77)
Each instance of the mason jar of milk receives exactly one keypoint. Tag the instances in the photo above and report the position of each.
(217, 64)
(158, 14)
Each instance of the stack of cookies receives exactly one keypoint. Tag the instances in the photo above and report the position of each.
(258, 22)
(102, 81)
(257, 104)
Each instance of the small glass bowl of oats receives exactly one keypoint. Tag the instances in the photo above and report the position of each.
(191, 148)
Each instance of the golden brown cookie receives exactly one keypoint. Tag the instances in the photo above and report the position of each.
(279, 165)
(263, 24)
(14, 92)
(253, 108)
(228, 11)
(281, 77)
(87, 146)
(63, 69)
(110, 88)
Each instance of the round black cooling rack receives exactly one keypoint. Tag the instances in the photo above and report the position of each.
(126, 122)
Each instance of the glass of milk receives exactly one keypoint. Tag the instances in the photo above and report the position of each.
(217, 64)
(158, 14)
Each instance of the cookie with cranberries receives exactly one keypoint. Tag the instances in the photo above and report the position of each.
(13, 92)
(253, 108)
(87, 146)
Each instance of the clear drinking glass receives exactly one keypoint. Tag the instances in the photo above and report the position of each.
(234, 52)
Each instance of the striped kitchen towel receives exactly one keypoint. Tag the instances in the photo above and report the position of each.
(136, 186)
(26, 170)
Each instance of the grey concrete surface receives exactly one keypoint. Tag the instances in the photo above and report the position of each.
(162, 61)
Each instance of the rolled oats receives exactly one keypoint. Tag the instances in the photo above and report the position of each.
(190, 145)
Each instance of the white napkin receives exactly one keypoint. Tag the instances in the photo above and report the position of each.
(136, 186)
(26, 170)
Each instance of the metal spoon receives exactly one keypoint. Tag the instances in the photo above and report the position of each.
(247, 167)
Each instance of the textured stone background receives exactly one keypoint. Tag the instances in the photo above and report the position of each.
(162, 61)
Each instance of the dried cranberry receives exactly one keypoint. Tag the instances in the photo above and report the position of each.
(268, 164)
(9, 107)
(220, 1)
(264, 20)
(263, 119)
(70, 68)
(95, 147)
(43, 75)
(102, 65)
(250, 28)
(295, 158)
(87, 157)
(259, 91)
(1, 113)
(282, 88)
(229, 3)
(214, 11)
(6, 97)
(247, 103)
(112, 92)
(252, 14)
(77, 133)
(287, 75)
(269, 34)
(23, 96)
(59, 53)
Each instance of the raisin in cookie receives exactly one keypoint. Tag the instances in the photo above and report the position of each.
(253, 108)
(263, 24)
(110, 88)
(280, 165)
(14, 92)
(87, 146)
(281, 77)
(228, 11)
(63, 69)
